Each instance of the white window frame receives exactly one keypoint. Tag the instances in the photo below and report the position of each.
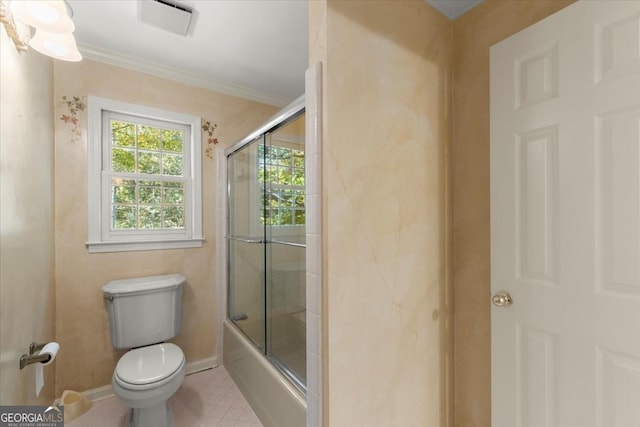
(101, 237)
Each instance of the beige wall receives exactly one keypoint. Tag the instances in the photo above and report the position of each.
(27, 300)
(473, 34)
(385, 71)
(385, 131)
(87, 359)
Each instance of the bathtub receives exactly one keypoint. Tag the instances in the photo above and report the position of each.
(273, 398)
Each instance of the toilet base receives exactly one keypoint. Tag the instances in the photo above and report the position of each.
(159, 415)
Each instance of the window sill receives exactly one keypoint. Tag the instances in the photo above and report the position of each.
(150, 245)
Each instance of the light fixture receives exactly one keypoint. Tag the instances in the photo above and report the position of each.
(59, 46)
(47, 15)
(53, 27)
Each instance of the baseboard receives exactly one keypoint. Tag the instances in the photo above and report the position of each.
(99, 393)
(202, 365)
(106, 391)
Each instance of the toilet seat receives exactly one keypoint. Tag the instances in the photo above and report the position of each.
(149, 367)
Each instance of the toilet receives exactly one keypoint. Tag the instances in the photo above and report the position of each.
(143, 313)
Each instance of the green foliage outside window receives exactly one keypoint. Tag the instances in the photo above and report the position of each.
(281, 175)
(153, 198)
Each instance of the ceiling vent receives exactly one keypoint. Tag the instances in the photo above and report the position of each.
(168, 15)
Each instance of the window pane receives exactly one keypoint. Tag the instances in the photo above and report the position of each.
(299, 199)
(174, 217)
(149, 137)
(272, 200)
(269, 176)
(172, 140)
(123, 134)
(125, 194)
(285, 198)
(150, 217)
(149, 194)
(298, 177)
(123, 160)
(284, 176)
(174, 196)
(172, 165)
(124, 217)
(271, 216)
(154, 199)
(298, 158)
(284, 156)
(300, 217)
(148, 163)
(286, 217)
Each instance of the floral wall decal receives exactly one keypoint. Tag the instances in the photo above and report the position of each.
(73, 106)
(209, 129)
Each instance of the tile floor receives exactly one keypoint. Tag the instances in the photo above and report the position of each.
(206, 399)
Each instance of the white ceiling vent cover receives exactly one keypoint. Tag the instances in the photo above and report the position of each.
(168, 15)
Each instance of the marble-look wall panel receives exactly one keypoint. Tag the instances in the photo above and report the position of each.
(82, 323)
(473, 34)
(27, 299)
(385, 133)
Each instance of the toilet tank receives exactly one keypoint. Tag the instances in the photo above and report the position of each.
(144, 310)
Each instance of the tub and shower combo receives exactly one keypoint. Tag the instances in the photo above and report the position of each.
(265, 328)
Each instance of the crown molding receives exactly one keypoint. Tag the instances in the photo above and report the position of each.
(113, 58)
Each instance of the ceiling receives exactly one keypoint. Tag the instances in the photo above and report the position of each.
(251, 48)
(256, 49)
(453, 8)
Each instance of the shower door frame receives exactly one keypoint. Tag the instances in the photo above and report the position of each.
(289, 113)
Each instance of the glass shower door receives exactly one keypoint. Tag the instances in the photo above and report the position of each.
(245, 240)
(266, 245)
(284, 205)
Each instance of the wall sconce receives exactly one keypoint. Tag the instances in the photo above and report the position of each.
(53, 27)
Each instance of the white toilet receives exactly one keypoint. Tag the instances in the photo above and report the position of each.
(144, 312)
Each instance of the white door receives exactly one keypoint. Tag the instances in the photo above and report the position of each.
(565, 220)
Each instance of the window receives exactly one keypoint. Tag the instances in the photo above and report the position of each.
(281, 175)
(144, 178)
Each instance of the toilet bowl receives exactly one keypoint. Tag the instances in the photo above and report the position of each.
(145, 378)
(143, 312)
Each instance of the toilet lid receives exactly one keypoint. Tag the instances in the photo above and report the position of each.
(149, 364)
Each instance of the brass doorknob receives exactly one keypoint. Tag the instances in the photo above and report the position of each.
(502, 299)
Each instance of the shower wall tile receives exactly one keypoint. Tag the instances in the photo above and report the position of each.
(313, 183)
(313, 370)
(312, 147)
(314, 263)
(314, 222)
(314, 293)
(313, 332)
(313, 150)
(314, 411)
